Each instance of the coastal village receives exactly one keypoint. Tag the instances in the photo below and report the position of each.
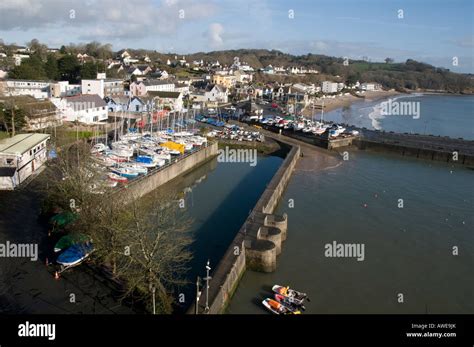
(135, 124)
(146, 94)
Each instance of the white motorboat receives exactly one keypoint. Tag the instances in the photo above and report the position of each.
(104, 160)
(98, 148)
(135, 167)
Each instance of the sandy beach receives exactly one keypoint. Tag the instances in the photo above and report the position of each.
(347, 100)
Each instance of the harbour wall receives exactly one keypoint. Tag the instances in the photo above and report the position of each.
(416, 152)
(180, 166)
(256, 245)
(424, 147)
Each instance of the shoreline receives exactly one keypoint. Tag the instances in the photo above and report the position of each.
(348, 100)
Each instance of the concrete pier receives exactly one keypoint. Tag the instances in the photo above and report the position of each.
(257, 243)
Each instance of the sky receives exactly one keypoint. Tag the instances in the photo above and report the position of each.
(439, 32)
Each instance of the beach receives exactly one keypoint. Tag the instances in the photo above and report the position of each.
(347, 100)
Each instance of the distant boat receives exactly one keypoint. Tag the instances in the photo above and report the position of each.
(116, 158)
(149, 161)
(125, 172)
(293, 296)
(104, 160)
(98, 147)
(336, 130)
(117, 178)
(278, 308)
(135, 167)
(75, 254)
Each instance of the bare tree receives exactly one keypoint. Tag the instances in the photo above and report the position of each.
(145, 242)
(158, 241)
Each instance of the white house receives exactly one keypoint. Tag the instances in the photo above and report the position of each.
(18, 58)
(93, 87)
(129, 60)
(113, 87)
(173, 100)
(20, 157)
(181, 87)
(216, 93)
(36, 89)
(303, 88)
(329, 87)
(370, 86)
(158, 86)
(88, 109)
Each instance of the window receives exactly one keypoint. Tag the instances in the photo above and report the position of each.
(95, 119)
(9, 161)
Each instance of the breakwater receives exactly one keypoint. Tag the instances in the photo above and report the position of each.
(255, 246)
(426, 147)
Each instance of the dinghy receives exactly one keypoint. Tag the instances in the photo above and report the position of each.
(292, 295)
(75, 254)
(135, 167)
(288, 302)
(277, 308)
(125, 172)
(116, 178)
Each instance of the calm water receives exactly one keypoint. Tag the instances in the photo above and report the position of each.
(444, 115)
(407, 250)
(218, 206)
(218, 196)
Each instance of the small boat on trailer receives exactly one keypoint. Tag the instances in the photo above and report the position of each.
(293, 296)
(75, 254)
(125, 172)
(135, 167)
(278, 308)
(117, 178)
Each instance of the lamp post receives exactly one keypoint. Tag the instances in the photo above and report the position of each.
(208, 278)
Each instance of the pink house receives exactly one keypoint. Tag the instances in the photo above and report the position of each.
(138, 89)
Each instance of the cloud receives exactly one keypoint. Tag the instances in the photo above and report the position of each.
(103, 19)
(214, 34)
